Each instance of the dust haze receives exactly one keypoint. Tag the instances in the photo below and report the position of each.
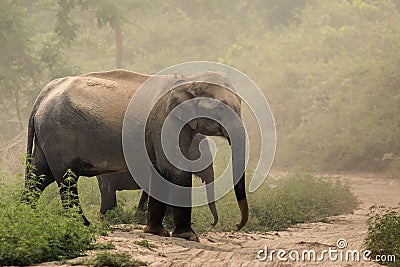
(328, 70)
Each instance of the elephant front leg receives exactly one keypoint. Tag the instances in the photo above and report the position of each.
(182, 221)
(155, 216)
(183, 215)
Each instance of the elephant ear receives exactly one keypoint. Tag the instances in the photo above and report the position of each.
(179, 95)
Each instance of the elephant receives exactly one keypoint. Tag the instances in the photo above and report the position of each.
(110, 183)
(76, 124)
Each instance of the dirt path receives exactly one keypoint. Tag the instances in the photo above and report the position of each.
(240, 249)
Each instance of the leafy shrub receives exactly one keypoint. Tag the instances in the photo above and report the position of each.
(301, 198)
(383, 236)
(127, 212)
(45, 233)
(29, 236)
(123, 214)
(294, 199)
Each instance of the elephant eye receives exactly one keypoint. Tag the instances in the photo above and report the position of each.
(221, 106)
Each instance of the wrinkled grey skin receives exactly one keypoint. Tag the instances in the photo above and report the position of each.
(76, 123)
(110, 183)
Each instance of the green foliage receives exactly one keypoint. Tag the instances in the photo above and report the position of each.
(332, 85)
(301, 198)
(32, 194)
(124, 213)
(383, 236)
(17, 63)
(294, 199)
(46, 233)
(68, 195)
(65, 26)
(111, 260)
(327, 68)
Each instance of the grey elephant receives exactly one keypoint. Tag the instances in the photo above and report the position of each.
(76, 124)
(110, 183)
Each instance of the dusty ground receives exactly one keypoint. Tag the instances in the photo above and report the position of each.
(240, 249)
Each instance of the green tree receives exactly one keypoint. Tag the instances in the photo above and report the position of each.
(17, 63)
(331, 81)
(107, 12)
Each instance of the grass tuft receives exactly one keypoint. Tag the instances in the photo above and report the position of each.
(111, 260)
(145, 243)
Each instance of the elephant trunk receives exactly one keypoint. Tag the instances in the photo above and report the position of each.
(240, 192)
(238, 143)
(213, 209)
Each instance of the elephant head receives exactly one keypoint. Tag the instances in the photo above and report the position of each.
(214, 110)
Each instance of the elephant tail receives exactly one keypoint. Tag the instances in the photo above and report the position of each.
(29, 146)
(31, 124)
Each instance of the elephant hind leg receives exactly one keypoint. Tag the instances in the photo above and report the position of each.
(38, 177)
(68, 187)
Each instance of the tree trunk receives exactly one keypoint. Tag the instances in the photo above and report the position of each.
(118, 46)
(17, 104)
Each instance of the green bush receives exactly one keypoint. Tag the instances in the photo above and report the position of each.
(300, 198)
(45, 233)
(29, 236)
(383, 236)
(280, 204)
(124, 213)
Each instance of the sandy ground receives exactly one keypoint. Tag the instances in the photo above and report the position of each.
(241, 248)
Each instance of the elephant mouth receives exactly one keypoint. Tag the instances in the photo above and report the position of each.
(225, 134)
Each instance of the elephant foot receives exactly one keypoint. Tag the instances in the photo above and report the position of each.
(157, 230)
(186, 233)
